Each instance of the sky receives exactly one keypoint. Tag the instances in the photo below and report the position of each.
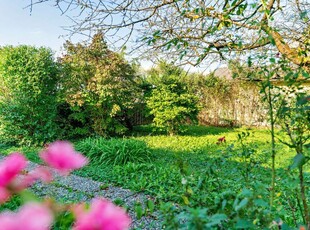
(41, 27)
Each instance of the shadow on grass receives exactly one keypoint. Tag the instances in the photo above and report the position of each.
(200, 130)
(162, 178)
(190, 130)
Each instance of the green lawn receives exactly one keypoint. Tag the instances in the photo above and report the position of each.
(191, 168)
(194, 156)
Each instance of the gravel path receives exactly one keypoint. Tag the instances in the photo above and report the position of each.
(76, 189)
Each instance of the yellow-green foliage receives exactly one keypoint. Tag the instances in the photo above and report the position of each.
(171, 103)
(199, 141)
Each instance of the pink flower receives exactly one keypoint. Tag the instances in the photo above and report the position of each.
(10, 167)
(8, 221)
(102, 215)
(32, 216)
(39, 173)
(42, 173)
(62, 156)
(4, 195)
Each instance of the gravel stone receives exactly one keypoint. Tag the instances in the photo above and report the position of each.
(73, 188)
(79, 184)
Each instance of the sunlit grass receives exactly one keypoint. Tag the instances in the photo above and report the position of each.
(196, 149)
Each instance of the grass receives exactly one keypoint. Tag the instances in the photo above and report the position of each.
(194, 157)
(114, 151)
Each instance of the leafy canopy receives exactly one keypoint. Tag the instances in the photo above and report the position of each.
(99, 84)
(201, 30)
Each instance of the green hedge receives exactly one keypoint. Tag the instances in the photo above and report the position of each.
(28, 83)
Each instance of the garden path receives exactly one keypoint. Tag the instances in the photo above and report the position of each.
(73, 188)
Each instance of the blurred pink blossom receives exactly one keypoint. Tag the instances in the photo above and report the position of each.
(8, 221)
(4, 195)
(35, 216)
(39, 173)
(42, 173)
(32, 216)
(10, 167)
(62, 156)
(102, 215)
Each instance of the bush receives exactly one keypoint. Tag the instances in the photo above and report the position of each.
(170, 102)
(28, 83)
(114, 151)
(100, 87)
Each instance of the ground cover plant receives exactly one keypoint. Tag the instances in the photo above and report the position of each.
(37, 214)
(114, 151)
(195, 170)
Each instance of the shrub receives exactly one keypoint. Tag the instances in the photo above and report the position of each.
(171, 103)
(28, 83)
(99, 85)
(114, 151)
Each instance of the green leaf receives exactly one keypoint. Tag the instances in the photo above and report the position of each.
(216, 219)
(303, 14)
(242, 204)
(139, 211)
(224, 204)
(305, 74)
(272, 60)
(27, 196)
(286, 227)
(185, 200)
(298, 161)
(303, 101)
(244, 224)
(246, 193)
(150, 206)
(261, 203)
(221, 25)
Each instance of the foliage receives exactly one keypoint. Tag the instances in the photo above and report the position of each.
(243, 210)
(114, 151)
(295, 117)
(12, 205)
(170, 102)
(28, 82)
(73, 120)
(208, 170)
(203, 30)
(232, 178)
(99, 85)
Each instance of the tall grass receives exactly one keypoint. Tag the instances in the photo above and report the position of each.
(114, 151)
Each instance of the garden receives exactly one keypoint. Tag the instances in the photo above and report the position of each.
(90, 140)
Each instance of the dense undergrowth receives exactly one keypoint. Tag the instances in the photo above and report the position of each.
(194, 169)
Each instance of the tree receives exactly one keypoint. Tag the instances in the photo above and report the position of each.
(28, 80)
(201, 30)
(170, 102)
(99, 85)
